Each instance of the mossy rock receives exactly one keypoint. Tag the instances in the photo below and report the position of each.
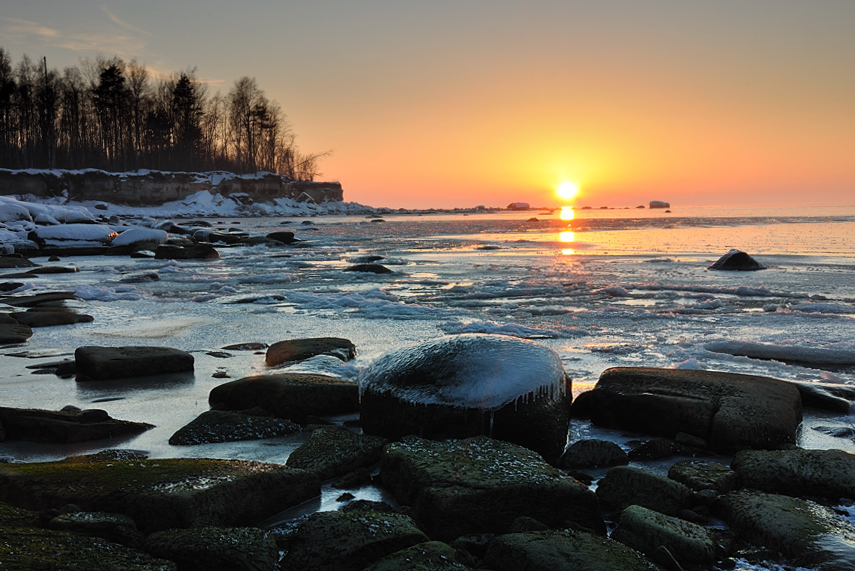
(215, 548)
(623, 486)
(824, 473)
(562, 551)
(227, 426)
(10, 516)
(348, 541)
(647, 530)
(428, 556)
(161, 494)
(28, 549)
(702, 475)
(482, 485)
(593, 453)
(117, 528)
(335, 451)
(812, 535)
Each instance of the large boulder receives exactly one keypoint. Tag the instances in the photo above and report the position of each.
(335, 451)
(824, 473)
(103, 363)
(593, 453)
(215, 548)
(301, 349)
(566, 550)
(347, 541)
(65, 426)
(160, 494)
(466, 385)
(648, 531)
(227, 426)
(737, 260)
(293, 396)
(482, 485)
(725, 411)
(623, 486)
(812, 535)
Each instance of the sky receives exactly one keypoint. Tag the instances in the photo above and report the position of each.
(486, 102)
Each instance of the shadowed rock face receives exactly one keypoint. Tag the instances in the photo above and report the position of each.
(301, 349)
(737, 260)
(466, 385)
(102, 363)
(65, 426)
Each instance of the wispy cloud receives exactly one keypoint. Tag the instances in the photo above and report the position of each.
(17, 28)
(123, 24)
(22, 31)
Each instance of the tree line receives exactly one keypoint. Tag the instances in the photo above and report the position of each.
(111, 114)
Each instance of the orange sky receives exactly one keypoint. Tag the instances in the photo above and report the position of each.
(455, 104)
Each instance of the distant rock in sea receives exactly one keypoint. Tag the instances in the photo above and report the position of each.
(659, 204)
(519, 206)
(737, 260)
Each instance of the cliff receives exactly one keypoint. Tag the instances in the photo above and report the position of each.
(149, 188)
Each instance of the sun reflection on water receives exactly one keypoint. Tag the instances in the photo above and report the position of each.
(567, 213)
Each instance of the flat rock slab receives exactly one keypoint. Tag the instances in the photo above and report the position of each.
(216, 548)
(335, 451)
(38, 298)
(562, 551)
(301, 349)
(824, 473)
(63, 427)
(103, 363)
(623, 486)
(43, 318)
(727, 411)
(647, 530)
(161, 494)
(813, 535)
(293, 396)
(227, 426)
(428, 556)
(482, 485)
(13, 332)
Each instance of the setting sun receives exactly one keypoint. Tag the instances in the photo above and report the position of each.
(567, 190)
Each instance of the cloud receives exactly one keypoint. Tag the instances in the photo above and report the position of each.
(18, 28)
(25, 32)
(121, 23)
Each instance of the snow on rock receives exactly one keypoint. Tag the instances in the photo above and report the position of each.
(77, 232)
(784, 352)
(614, 291)
(140, 236)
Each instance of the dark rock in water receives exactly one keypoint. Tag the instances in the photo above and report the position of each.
(13, 332)
(465, 385)
(9, 286)
(140, 278)
(246, 347)
(216, 548)
(737, 260)
(653, 449)
(369, 268)
(225, 426)
(348, 541)
(335, 451)
(50, 318)
(593, 453)
(16, 262)
(162, 493)
(300, 349)
(428, 556)
(482, 485)
(564, 550)
(827, 396)
(837, 431)
(102, 363)
(65, 426)
(366, 259)
(30, 548)
(293, 396)
(38, 299)
(728, 411)
(647, 531)
(627, 485)
(195, 252)
(117, 528)
(283, 236)
(702, 475)
(811, 534)
(825, 473)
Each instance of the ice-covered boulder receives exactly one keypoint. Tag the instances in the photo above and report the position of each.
(737, 261)
(465, 385)
(141, 237)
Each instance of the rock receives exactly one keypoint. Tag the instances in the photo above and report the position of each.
(13, 332)
(117, 528)
(63, 427)
(246, 347)
(701, 475)
(659, 204)
(654, 449)
(592, 453)
(728, 411)
(45, 318)
(369, 269)
(566, 550)
(293, 396)
(812, 535)
(827, 396)
(647, 531)
(16, 262)
(524, 523)
(482, 485)
(335, 451)
(10, 516)
(163, 493)
(193, 252)
(102, 363)
(225, 426)
(737, 260)
(283, 236)
(623, 486)
(466, 385)
(29, 548)
(215, 548)
(428, 556)
(348, 541)
(300, 349)
(38, 298)
(824, 473)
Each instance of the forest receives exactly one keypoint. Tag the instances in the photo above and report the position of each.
(112, 114)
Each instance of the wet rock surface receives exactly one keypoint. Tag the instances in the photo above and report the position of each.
(215, 548)
(103, 363)
(648, 531)
(335, 451)
(301, 349)
(65, 426)
(227, 426)
(823, 473)
(623, 486)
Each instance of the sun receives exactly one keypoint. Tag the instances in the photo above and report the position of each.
(567, 190)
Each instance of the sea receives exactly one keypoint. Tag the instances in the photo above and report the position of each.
(601, 287)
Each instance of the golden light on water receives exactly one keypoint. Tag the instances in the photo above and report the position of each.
(567, 213)
(567, 236)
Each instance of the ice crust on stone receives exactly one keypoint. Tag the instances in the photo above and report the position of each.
(77, 232)
(484, 372)
(138, 236)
